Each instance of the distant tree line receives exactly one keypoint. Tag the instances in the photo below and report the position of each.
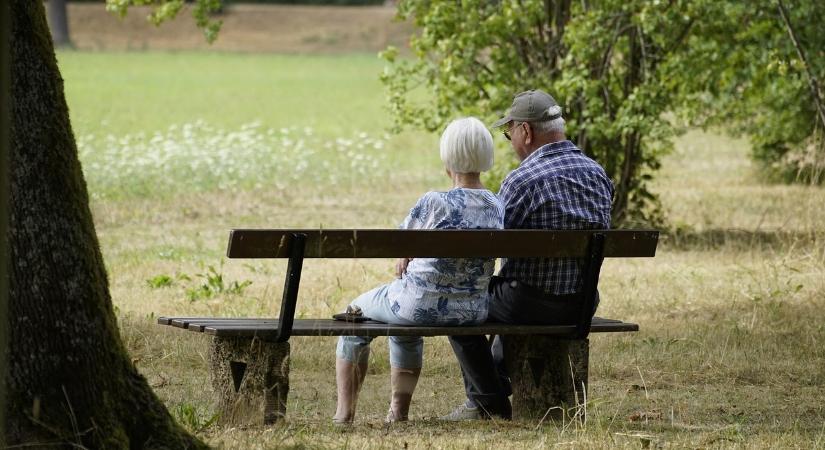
(280, 2)
(310, 2)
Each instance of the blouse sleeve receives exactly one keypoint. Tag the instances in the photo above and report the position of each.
(417, 217)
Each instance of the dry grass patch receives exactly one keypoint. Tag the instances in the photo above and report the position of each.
(730, 353)
(248, 28)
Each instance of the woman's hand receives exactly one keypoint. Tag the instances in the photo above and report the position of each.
(401, 266)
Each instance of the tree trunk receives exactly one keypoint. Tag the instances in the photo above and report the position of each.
(70, 381)
(5, 122)
(59, 22)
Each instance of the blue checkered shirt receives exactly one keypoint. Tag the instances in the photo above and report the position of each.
(556, 187)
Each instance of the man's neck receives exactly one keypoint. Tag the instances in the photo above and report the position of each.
(550, 138)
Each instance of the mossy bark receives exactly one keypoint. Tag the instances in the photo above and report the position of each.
(70, 381)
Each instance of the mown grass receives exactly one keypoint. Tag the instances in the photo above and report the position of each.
(131, 92)
(732, 309)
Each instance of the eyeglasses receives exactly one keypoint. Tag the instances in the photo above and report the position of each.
(506, 132)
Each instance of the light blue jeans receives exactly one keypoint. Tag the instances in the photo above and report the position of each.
(406, 352)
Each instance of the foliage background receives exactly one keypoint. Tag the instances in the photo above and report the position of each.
(755, 82)
(630, 74)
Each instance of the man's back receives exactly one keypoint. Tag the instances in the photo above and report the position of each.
(557, 187)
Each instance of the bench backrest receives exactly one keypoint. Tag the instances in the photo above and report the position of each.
(591, 246)
(441, 243)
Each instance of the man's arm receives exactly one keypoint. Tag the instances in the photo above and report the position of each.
(515, 197)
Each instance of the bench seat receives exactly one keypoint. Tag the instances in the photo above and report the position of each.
(267, 329)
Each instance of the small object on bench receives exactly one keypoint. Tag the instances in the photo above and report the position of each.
(548, 364)
(353, 314)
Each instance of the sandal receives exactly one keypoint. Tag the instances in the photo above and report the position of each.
(353, 314)
(392, 418)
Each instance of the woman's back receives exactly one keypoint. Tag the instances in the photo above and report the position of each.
(448, 291)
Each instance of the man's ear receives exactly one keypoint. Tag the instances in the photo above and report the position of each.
(528, 138)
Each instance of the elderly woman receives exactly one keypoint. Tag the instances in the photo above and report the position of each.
(428, 291)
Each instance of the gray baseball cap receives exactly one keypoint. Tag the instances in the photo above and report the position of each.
(530, 106)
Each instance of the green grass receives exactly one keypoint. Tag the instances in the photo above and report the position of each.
(152, 124)
(732, 309)
(121, 93)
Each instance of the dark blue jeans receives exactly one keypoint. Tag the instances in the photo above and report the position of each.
(486, 381)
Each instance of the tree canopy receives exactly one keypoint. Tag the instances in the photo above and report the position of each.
(164, 10)
(767, 82)
(624, 70)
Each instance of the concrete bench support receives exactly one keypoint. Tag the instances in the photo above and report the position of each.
(251, 378)
(549, 376)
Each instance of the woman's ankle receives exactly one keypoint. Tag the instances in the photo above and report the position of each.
(347, 417)
(400, 406)
(349, 378)
(403, 383)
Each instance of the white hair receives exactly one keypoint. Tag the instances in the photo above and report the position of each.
(550, 126)
(467, 146)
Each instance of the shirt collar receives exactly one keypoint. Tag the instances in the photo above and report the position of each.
(552, 148)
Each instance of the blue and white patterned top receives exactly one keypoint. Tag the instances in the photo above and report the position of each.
(448, 291)
(556, 187)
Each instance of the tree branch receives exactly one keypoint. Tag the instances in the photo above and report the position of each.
(813, 82)
(681, 37)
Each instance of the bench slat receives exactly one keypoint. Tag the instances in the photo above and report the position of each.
(267, 328)
(246, 243)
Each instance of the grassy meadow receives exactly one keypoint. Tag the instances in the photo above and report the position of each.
(179, 147)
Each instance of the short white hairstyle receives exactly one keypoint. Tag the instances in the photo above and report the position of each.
(550, 126)
(467, 146)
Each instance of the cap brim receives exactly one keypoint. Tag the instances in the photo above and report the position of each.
(502, 121)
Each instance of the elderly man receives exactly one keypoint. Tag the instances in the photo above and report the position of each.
(555, 187)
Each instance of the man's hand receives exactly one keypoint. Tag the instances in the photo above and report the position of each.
(401, 266)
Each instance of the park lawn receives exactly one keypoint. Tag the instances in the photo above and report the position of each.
(732, 310)
(124, 92)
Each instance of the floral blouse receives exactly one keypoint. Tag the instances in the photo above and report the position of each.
(448, 291)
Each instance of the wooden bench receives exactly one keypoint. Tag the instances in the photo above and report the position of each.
(548, 365)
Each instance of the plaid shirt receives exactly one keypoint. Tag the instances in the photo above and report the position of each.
(556, 187)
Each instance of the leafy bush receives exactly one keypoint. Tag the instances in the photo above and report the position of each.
(763, 65)
(312, 2)
(611, 64)
(625, 71)
(213, 284)
(193, 419)
(160, 281)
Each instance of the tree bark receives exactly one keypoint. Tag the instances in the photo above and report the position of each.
(548, 375)
(70, 381)
(5, 121)
(58, 19)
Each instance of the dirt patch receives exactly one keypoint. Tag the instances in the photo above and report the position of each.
(251, 28)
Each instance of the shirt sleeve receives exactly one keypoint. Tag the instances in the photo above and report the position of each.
(516, 200)
(416, 219)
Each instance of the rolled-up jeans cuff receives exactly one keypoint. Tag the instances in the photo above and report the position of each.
(355, 349)
(406, 352)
